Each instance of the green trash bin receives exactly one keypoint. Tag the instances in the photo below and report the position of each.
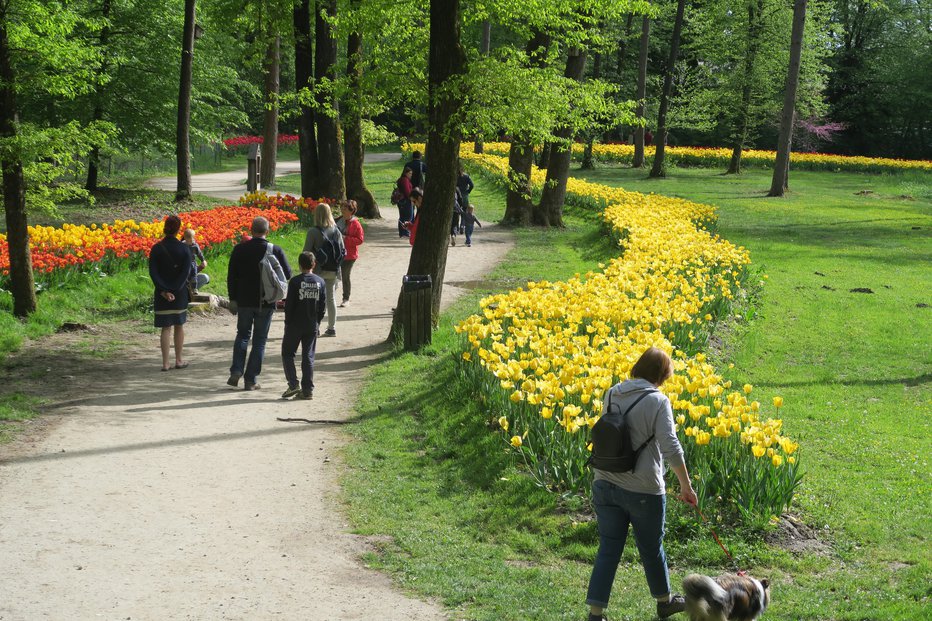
(416, 319)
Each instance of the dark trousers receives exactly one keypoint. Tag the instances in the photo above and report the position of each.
(469, 229)
(308, 341)
(346, 268)
(405, 214)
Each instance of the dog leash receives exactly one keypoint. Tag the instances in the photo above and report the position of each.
(719, 541)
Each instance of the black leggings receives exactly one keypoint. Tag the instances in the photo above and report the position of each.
(345, 268)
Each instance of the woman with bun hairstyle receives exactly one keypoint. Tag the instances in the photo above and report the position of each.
(170, 268)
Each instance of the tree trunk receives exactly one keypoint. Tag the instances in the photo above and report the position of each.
(183, 136)
(755, 25)
(355, 149)
(781, 168)
(544, 158)
(518, 205)
(270, 122)
(93, 162)
(518, 202)
(658, 169)
(587, 163)
(485, 48)
(641, 93)
(329, 132)
(22, 285)
(550, 210)
(447, 60)
(304, 69)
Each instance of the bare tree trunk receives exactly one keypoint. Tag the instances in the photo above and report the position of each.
(329, 132)
(550, 210)
(545, 151)
(355, 149)
(781, 168)
(641, 93)
(183, 136)
(755, 25)
(447, 60)
(623, 44)
(518, 202)
(304, 69)
(270, 123)
(485, 48)
(658, 169)
(93, 162)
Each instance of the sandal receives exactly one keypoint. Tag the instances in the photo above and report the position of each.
(183, 365)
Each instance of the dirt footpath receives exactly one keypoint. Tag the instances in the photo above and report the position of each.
(174, 496)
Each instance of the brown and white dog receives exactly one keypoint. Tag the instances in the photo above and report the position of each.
(726, 598)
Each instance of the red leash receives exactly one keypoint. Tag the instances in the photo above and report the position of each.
(719, 541)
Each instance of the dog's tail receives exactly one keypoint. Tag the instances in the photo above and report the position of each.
(705, 599)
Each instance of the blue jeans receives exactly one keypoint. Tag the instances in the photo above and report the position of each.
(255, 322)
(469, 230)
(615, 509)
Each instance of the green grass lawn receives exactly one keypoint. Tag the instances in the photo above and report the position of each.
(465, 526)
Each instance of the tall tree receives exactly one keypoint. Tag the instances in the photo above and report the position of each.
(304, 74)
(549, 211)
(446, 64)
(355, 148)
(271, 69)
(755, 27)
(658, 169)
(93, 164)
(183, 136)
(781, 168)
(329, 131)
(484, 48)
(641, 92)
(14, 185)
(39, 40)
(518, 205)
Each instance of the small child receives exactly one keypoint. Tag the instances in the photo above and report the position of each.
(305, 307)
(197, 260)
(469, 221)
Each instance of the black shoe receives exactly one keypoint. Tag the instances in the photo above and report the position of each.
(292, 391)
(234, 379)
(593, 617)
(676, 604)
(305, 396)
(254, 386)
(330, 332)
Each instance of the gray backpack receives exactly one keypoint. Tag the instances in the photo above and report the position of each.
(273, 286)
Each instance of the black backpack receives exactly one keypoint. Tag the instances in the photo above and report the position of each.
(612, 449)
(331, 253)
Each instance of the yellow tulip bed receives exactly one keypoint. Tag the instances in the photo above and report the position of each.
(541, 357)
(712, 157)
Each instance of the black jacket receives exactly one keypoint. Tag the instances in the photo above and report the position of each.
(243, 278)
(419, 169)
(306, 303)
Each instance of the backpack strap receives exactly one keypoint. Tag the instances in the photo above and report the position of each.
(628, 411)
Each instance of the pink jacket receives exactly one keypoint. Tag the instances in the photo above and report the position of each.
(353, 237)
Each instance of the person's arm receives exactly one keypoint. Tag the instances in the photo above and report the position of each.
(280, 255)
(687, 493)
(232, 271)
(470, 184)
(354, 231)
(476, 220)
(291, 299)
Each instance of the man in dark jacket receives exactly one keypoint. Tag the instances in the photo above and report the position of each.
(418, 170)
(254, 316)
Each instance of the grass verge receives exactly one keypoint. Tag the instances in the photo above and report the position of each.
(454, 518)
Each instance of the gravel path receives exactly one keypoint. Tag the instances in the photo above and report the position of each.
(173, 496)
